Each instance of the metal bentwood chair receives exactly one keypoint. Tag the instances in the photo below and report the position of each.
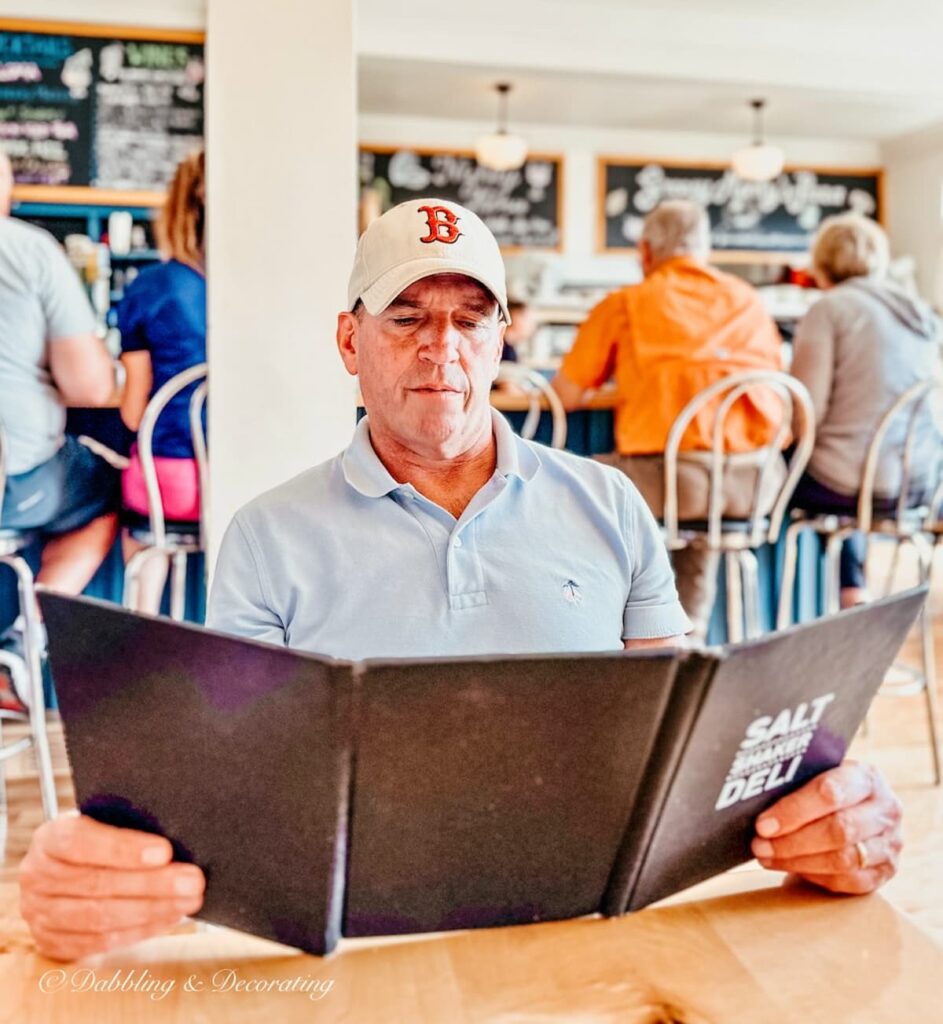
(901, 523)
(538, 390)
(176, 541)
(738, 539)
(27, 672)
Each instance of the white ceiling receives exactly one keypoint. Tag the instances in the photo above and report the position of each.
(854, 69)
(867, 69)
(403, 87)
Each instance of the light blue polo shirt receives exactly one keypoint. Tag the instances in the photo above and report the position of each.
(556, 553)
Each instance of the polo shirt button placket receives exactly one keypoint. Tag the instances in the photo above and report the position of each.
(457, 573)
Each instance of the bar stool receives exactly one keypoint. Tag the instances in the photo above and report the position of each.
(917, 525)
(537, 389)
(27, 671)
(738, 539)
(174, 541)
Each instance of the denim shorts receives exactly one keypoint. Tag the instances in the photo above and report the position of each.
(63, 494)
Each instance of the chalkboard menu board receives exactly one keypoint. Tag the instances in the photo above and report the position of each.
(523, 208)
(778, 216)
(108, 111)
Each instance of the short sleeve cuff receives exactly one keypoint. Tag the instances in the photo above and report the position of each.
(654, 622)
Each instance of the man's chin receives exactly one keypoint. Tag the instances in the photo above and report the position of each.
(444, 435)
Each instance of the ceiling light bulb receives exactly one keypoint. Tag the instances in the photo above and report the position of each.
(499, 150)
(759, 161)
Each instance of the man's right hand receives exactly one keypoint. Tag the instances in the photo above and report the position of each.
(86, 887)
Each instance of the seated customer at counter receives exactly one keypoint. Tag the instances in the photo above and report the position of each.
(684, 327)
(519, 332)
(162, 320)
(50, 357)
(467, 540)
(857, 350)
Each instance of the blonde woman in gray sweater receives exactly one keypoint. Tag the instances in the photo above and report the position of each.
(860, 347)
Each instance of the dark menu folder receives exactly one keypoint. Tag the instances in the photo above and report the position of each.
(239, 753)
(324, 798)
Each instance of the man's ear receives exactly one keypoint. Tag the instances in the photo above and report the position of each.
(348, 327)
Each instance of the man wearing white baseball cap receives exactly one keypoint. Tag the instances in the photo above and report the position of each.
(437, 532)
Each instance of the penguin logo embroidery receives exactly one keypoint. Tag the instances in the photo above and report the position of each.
(572, 592)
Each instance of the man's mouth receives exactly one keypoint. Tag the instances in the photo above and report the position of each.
(436, 389)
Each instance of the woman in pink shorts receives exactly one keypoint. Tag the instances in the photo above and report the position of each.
(162, 320)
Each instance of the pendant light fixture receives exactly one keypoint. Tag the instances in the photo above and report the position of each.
(500, 151)
(759, 161)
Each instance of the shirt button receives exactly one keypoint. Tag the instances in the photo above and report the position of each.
(457, 543)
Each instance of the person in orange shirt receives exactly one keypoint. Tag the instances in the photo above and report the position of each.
(685, 326)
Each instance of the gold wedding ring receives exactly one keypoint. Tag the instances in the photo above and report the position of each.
(862, 852)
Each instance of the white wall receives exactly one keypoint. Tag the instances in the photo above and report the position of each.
(159, 13)
(282, 227)
(914, 184)
(581, 146)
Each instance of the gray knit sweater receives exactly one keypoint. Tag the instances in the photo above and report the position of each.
(857, 350)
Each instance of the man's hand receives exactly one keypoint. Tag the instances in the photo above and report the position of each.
(824, 831)
(86, 887)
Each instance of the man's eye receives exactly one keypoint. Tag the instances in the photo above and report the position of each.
(404, 321)
(469, 324)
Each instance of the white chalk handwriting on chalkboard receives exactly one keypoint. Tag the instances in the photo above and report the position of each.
(795, 193)
(774, 215)
(520, 207)
(100, 111)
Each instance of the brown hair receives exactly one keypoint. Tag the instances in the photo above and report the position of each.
(181, 221)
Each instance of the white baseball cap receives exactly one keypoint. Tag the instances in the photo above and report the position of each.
(418, 239)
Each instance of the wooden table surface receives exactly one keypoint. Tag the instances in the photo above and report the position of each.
(518, 401)
(766, 953)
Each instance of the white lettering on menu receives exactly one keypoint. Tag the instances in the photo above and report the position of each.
(771, 751)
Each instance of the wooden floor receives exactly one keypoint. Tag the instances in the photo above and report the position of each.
(896, 742)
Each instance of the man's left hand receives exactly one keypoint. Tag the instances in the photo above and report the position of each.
(840, 831)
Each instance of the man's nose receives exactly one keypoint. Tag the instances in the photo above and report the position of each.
(440, 341)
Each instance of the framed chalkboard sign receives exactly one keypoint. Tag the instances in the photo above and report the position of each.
(95, 113)
(760, 221)
(523, 208)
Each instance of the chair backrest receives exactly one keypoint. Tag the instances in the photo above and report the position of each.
(155, 407)
(536, 387)
(797, 416)
(909, 409)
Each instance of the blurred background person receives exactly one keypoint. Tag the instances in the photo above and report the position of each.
(50, 358)
(857, 350)
(522, 328)
(685, 326)
(162, 320)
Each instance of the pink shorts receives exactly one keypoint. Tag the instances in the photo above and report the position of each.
(179, 483)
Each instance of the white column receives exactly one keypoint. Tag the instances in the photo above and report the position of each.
(281, 216)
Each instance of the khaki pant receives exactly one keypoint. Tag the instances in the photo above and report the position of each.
(696, 567)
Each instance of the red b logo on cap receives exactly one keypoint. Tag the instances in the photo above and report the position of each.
(442, 224)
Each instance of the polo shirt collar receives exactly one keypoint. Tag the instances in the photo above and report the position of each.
(364, 471)
(515, 456)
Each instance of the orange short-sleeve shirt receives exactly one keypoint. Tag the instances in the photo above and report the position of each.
(684, 327)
